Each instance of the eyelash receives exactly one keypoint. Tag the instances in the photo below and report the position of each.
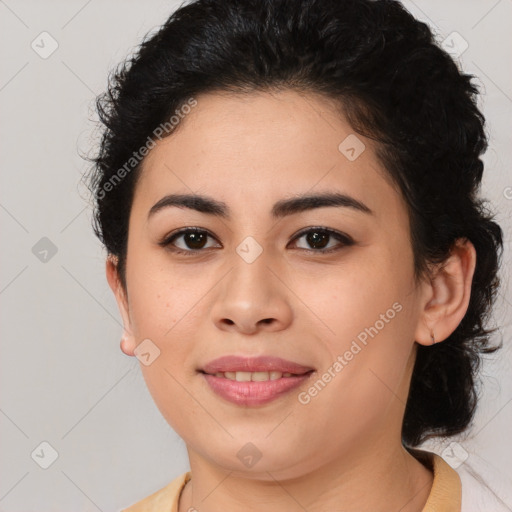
(341, 237)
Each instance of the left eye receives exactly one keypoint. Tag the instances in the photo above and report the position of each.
(318, 237)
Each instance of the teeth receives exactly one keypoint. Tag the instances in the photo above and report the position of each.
(243, 376)
(259, 376)
(254, 376)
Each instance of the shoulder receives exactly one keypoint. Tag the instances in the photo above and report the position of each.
(164, 500)
(469, 485)
(446, 492)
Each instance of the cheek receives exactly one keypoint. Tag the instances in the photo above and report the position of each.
(159, 295)
(367, 325)
(165, 307)
(370, 329)
(363, 381)
(345, 299)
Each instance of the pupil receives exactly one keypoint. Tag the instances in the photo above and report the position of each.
(314, 237)
(195, 240)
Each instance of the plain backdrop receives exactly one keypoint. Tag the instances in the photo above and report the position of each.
(64, 381)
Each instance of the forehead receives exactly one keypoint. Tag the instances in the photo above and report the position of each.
(246, 148)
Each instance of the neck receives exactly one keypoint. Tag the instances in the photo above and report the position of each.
(375, 481)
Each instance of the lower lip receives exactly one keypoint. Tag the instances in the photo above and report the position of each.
(253, 392)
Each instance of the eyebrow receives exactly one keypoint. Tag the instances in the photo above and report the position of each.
(282, 208)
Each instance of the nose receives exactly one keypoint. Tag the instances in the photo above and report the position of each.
(253, 297)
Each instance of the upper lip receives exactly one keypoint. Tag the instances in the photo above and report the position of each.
(254, 364)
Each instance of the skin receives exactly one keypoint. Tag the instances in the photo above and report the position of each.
(342, 451)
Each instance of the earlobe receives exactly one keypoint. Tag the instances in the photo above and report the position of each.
(126, 346)
(448, 295)
(128, 343)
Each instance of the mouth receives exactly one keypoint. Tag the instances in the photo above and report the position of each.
(243, 376)
(247, 381)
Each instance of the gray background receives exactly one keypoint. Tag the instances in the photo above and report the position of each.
(63, 378)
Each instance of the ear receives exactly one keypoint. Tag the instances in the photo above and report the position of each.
(446, 298)
(128, 341)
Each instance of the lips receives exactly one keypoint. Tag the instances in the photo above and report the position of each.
(254, 364)
(253, 394)
(254, 381)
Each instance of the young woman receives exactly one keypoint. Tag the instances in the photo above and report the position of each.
(288, 194)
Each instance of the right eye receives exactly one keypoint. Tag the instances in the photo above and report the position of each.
(194, 240)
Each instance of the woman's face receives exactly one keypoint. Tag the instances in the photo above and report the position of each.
(253, 285)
